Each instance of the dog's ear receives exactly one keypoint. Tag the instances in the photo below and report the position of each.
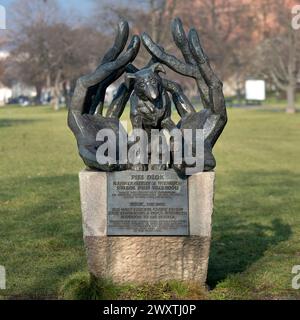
(129, 79)
(157, 68)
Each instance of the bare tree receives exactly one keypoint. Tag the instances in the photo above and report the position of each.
(278, 54)
(225, 27)
(153, 16)
(49, 53)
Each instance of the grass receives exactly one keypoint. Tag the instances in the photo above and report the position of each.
(81, 286)
(256, 226)
(272, 103)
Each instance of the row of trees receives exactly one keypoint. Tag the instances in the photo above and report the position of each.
(48, 52)
(244, 38)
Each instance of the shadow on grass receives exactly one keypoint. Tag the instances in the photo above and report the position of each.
(235, 252)
(4, 123)
(43, 234)
(250, 221)
(43, 230)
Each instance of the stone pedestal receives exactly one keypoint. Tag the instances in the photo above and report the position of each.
(143, 259)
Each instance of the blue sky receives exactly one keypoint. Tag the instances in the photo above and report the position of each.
(81, 9)
(82, 6)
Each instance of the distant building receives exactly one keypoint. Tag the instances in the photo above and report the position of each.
(16, 90)
(5, 94)
(110, 92)
(19, 89)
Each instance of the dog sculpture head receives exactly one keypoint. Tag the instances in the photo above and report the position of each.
(147, 82)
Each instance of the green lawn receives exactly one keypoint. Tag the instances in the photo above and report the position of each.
(256, 228)
(272, 103)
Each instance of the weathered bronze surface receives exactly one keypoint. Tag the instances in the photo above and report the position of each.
(150, 95)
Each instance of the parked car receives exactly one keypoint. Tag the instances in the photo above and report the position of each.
(21, 100)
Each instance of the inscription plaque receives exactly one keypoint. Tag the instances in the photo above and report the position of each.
(152, 203)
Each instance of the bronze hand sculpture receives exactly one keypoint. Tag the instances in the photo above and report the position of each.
(213, 118)
(85, 115)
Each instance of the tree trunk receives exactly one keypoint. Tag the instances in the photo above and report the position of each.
(66, 94)
(38, 97)
(56, 92)
(290, 91)
(55, 99)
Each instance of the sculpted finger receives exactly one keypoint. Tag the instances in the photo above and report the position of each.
(119, 102)
(181, 41)
(169, 60)
(126, 58)
(98, 102)
(213, 82)
(201, 59)
(78, 99)
(130, 54)
(105, 70)
(182, 103)
(120, 43)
